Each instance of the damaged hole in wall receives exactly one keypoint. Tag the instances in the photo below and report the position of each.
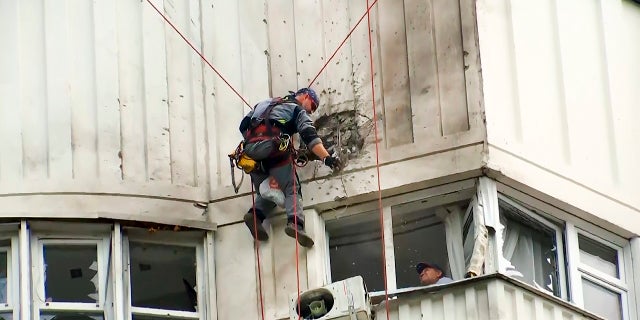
(340, 133)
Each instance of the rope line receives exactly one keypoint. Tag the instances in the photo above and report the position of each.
(295, 225)
(343, 42)
(255, 239)
(200, 54)
(375, 131)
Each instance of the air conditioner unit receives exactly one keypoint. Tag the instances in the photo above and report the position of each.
(342, 300)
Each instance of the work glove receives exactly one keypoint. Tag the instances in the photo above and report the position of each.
(333, 162)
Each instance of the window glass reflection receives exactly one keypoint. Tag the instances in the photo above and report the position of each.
(601, 301)
(163, 276)
(71, 273)
(598, 256)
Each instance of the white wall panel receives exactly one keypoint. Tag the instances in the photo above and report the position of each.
(104, 97)
(558, 81)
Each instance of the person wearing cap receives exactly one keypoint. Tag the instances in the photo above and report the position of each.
(265, 128)
(431, 273)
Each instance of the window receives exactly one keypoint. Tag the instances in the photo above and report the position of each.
(163, 276)
(530, 247)
(416, 229)
(418, 235)
(9, 278)
(70, 274)
(355, 249)
(563, 255)
(600, 275)
(355, 246)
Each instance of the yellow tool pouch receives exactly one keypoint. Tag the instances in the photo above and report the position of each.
(241, 160)
(247, 164)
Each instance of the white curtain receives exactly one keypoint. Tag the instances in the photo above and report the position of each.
(525, 255)
(452, 224)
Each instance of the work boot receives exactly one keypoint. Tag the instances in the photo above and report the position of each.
(262, 233)
(303, 238)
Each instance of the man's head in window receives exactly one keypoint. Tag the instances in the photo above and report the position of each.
(430, 273)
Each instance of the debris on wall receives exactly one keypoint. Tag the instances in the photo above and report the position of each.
(341, 134)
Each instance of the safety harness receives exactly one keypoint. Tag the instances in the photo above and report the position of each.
(261, 128)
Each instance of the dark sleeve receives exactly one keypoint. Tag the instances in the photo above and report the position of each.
(304, 126)
(244, 124)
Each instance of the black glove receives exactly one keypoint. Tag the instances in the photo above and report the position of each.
(333, 162)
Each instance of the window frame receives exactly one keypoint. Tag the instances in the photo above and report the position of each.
(436, 196)
(549, 222)
(44, 233)
(574, 225)
(13, 274)
(622, 285)
(194, 239)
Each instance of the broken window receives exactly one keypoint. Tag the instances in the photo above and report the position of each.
(71, 270)
(530, 247)
(421, 227)
(355, 249)
(164, 273)
(418, 235)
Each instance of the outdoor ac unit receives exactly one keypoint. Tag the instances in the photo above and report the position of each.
(342, 300)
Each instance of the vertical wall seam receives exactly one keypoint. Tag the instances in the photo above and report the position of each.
(46, 100)
(514, 67)
(408, 73)
(295, 47)
(119, 79)
(608, 103)
(192, 110)
(464, 62)
(435, 64)
(203, 88)
(564, 123)
(166, 59)
(94, 94)
(378, 50)
(143, 96)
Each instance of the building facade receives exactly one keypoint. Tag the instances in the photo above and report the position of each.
(496, 138)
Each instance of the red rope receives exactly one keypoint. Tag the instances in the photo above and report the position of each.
(375, 127)
(200, 54)
(343, 41)
(257, 242)
(295, 225)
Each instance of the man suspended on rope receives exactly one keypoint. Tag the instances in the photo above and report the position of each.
(267, 132)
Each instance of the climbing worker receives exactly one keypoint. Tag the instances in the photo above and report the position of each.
(267, 132)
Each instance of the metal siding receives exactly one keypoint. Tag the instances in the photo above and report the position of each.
(470, 302)
(558, 81)
(101, 90)
(103, 98)
(420, 60)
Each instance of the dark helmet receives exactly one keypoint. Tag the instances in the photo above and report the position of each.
(311, 94)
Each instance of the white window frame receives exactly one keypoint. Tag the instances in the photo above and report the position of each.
(575, 271)
(13, 275)
(427, 198)
(580, 270)
(197, 240)
(562, 273)
(53, 235)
